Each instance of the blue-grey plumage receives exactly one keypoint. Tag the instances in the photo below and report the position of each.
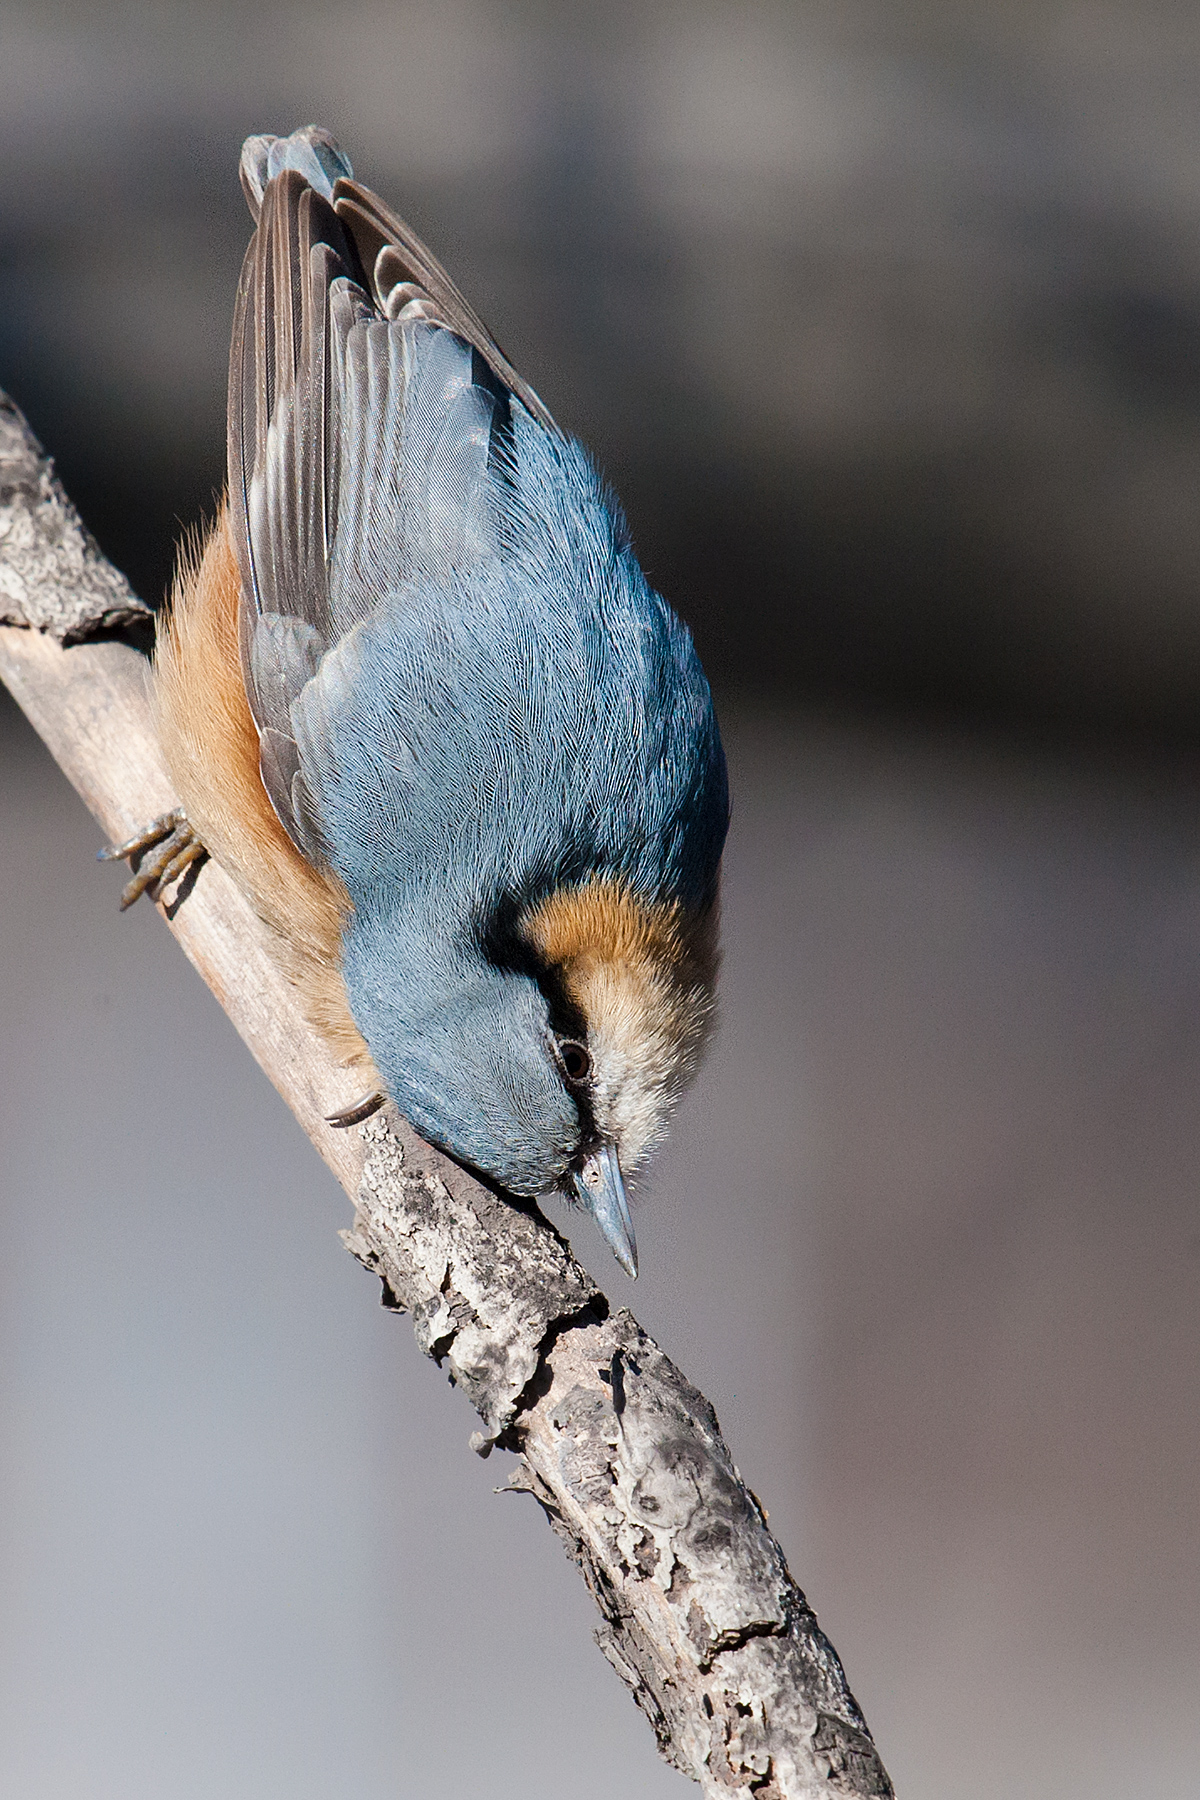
(472, 710)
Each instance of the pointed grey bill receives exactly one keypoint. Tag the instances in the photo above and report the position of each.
(599, 1185)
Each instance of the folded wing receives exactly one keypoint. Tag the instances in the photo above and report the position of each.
(369, 421)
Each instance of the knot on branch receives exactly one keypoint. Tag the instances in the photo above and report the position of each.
(487, 1283)
(52, 574)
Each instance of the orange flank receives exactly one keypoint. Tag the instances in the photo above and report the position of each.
(642, 975)
(210, 744)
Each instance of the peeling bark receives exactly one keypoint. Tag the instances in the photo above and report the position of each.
(699, 1615)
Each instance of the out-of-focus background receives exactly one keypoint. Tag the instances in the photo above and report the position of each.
(884, 319)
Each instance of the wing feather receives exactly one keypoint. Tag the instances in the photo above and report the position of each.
(366, 399)
(394, 255)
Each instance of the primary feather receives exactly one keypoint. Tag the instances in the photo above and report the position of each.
(469, 702)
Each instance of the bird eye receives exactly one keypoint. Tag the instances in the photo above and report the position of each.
(577, 1064)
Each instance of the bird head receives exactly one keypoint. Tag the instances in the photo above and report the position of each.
(556, 1065)
(638, 977)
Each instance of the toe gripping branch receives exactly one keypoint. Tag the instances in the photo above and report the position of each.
(176, 848)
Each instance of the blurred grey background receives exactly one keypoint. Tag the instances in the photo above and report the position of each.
(884, 319)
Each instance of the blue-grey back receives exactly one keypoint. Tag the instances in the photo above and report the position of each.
(517, 710)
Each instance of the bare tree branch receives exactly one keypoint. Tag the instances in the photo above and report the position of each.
(700, 1616)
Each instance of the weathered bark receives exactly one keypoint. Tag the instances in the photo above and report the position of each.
(701, 1618)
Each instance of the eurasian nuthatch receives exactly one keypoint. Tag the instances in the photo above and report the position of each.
(419, 700)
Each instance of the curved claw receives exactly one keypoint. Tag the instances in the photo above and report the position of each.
(354, 1115)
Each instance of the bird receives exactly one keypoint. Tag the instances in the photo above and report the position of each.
(418, 698)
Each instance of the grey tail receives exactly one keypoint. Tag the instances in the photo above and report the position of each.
(312, 151)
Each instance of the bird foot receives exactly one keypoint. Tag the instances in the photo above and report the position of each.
(176, 848)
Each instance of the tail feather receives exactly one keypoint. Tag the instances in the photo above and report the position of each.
(312, 151)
